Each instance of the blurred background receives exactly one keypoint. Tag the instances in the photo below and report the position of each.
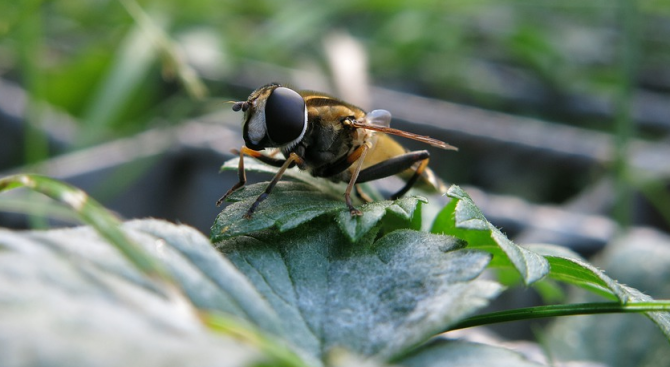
(561, 109)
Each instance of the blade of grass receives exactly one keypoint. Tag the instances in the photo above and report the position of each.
(92, 213)
(174, 61)
(132, 62)
(36, 208)
(282, 356)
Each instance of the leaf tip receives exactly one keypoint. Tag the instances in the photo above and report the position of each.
(455, 192)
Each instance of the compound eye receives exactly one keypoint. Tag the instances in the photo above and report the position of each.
(285, 116)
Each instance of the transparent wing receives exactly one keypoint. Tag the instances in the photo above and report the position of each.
(380, 120)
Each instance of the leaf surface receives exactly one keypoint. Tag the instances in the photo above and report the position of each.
(456, 353)
(569, 267)
(62, 289)
(292, 204)
(373, 297)
(461, 218)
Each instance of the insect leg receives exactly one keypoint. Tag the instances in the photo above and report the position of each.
(396, 165)
(240, 168)
(408, 185)
(275, 162)
(241, 174)
(356, 155)
(290, 162)
(362, 195)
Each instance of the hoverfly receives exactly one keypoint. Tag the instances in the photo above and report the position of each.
(329, 138)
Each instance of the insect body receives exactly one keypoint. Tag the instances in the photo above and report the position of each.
(327, 137)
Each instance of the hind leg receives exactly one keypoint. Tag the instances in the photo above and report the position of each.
(396, 165)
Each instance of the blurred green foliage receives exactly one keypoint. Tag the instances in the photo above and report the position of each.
(119, 71)
(517, 55)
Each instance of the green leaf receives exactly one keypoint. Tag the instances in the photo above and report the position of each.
(292, 204)
(456, 353)
(569, 267)
(374, 298)
(210, 281)
(462, 219)
(641, 259)
(64, 289)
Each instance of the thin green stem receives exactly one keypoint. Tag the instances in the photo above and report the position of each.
(624, 127)
(272, 346)
(562, 310)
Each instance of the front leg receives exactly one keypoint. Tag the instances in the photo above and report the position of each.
(292, 160)
(241, 172)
